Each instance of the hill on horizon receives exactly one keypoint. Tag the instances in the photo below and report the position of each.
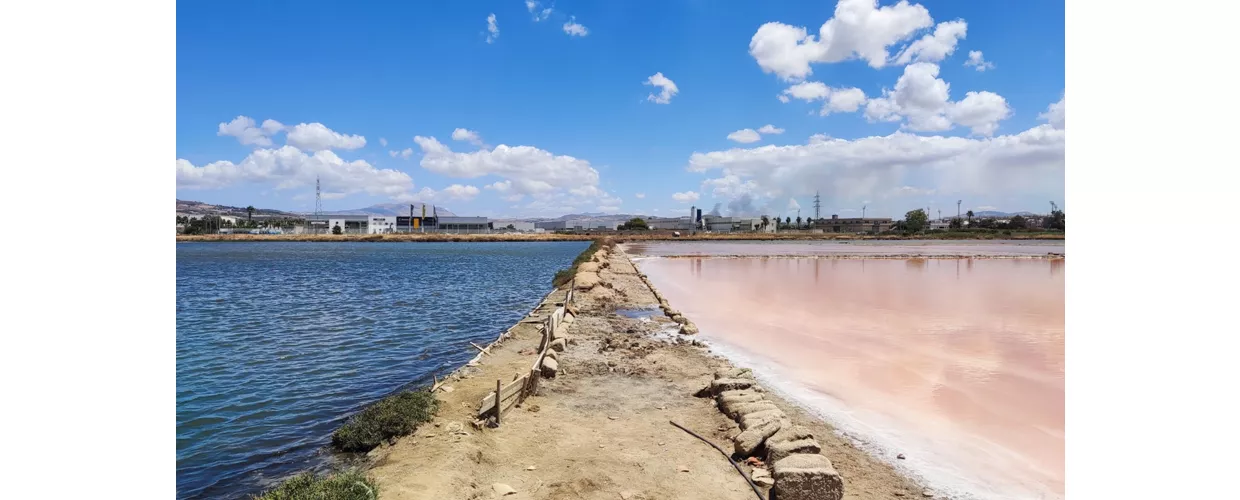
(392, 209)
(389, 209)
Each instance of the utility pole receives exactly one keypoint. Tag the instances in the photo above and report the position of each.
(958, 208)
(862, 211)
(817, 206)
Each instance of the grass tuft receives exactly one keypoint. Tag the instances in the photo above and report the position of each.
(348, 485)
(393, 416)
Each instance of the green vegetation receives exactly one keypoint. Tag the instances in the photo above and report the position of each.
(337, 230)
(349, 485)
(915, 220)
(393, 416)
(1055, 221)
(634, 224)
(563, 276)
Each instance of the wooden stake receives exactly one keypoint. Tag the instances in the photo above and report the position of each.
(484, 351)
(498, 387)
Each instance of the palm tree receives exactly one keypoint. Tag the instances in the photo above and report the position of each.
(969, 214)
(765, 221)
(788, 221)
(249, 213)
(798, 221)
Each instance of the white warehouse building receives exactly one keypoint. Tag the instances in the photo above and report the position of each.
(381, 224)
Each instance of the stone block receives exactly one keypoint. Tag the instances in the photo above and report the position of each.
(587, 280)
(807, 477)
(791, 433)
(755, 418)
(549, 367)
(776, 451)
(734, 373)
(728, 404)
(730, 384)
(742, 409)
(748, 442)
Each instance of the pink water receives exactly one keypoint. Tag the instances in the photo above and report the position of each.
(957, 364)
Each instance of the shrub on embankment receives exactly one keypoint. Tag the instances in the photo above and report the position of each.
(348, 485)
(563, 276)
(393, 416)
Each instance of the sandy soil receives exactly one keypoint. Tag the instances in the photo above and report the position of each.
(600, 429)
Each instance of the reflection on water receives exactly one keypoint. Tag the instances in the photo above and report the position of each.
(957, 364)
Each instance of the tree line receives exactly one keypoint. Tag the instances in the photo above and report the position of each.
(917, 221)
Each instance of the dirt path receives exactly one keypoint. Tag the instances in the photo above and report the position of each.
(600, 429)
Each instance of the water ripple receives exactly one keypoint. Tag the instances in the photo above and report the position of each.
(277, 343)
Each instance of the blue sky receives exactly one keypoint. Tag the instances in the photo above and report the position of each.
(566, 122)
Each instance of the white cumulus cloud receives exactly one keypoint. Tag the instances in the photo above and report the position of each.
(744, 136)
(539, 14)
(290, 168)
(667, 86)
(859, 29)
(492, 28)
(456, 192)
(249, 133)
(835, 100)
(936, 46)
(922, 100)
(554, 182)
(467, 135)
(686, 197)
(317, 137)
(1055, 114)
(528, 167)
(899, 164)
(407, 152)
(574, 29)
(770, 129)
(978, 62)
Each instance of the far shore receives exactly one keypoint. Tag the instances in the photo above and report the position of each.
(621, 236)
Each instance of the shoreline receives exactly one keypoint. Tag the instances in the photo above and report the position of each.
(599, 426)
(618, 237)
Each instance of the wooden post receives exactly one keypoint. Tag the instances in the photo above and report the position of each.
(499, 385)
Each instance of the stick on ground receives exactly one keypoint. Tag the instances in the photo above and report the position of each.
(725, 455)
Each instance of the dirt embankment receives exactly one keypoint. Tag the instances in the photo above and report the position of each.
(600, 429)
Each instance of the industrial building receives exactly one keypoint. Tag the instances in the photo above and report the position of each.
(386, 224)
(670, 223)
(576, 225)
(463, 225)
(517, 225)
(854, 224)
(718, 224)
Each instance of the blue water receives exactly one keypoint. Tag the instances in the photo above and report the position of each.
(277, 343)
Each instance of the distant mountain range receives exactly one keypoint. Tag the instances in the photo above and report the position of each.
(391, 209)
(187, 207)
(992, 213)
(588, 216)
